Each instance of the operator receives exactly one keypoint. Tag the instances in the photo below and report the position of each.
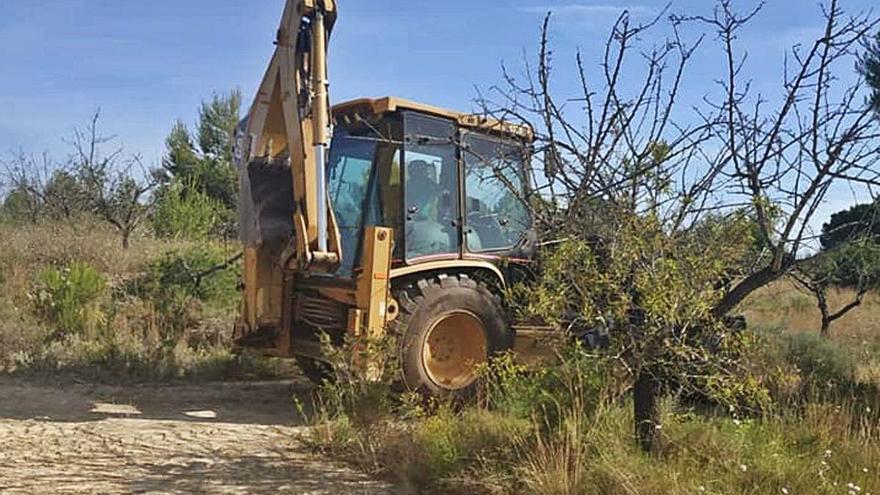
(423, 190)
(427, 204)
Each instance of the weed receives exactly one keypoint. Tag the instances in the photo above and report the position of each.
(70, 299)
(73, 302)
(567, 430)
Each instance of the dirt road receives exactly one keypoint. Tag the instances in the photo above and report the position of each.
(214, 438)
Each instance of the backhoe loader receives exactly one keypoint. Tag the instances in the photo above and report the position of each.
(377, 217)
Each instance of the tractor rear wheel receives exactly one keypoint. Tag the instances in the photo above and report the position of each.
(448, 325)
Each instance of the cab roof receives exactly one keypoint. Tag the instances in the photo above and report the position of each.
(390, 104)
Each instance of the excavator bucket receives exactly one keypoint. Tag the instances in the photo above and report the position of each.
(266, 203)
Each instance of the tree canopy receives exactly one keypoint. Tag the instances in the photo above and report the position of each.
(870, 68)
(855, 223)
(204, 161)
(199, 192)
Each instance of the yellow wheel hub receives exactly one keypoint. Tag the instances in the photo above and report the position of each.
(454, 346)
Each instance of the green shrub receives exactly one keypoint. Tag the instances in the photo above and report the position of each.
(546, 392)
(822, 363)
(351, 393)
(800, 368)
(70, 299)
(439, 439)
(197, 273)
(184, 212)
(184, 286)
(446, 444)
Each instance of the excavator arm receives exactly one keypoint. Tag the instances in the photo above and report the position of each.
(288, 126)
(286, 222)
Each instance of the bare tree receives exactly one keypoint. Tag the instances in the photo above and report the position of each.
(620, 154)
(118, 187)
(22, 187)
(785, 158)
(41, 187)
(818, 288)
(108, 184)
(854, 265)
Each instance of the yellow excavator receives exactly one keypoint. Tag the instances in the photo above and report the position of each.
(376, 217)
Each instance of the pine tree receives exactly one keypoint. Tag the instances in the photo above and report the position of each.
(870, 68)
(218, 119)
(204, 161)
(182, 161)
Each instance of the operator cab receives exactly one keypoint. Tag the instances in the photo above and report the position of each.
(451, 185)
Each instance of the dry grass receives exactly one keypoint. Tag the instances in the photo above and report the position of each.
(819, 452)
(59, 244)
(814, 441)
(135, 338)
(26, 248)
(781, 305)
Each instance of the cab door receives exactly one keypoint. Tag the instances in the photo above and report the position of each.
(431, 188)
(496, 218)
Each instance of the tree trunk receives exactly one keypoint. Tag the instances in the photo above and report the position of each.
(742, 290)
(823, 309)
(126, 240)
(825, 331)
(646, 411)
(827, 317)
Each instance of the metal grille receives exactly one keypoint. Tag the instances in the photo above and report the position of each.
(320, 312)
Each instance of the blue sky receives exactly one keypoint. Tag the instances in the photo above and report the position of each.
(147, 63)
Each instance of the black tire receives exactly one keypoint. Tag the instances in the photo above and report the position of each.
(424, 304)
(315, 370)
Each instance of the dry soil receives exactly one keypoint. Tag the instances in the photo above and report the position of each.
(212, 438)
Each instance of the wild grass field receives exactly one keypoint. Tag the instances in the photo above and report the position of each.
(568, 429)
(73, 302)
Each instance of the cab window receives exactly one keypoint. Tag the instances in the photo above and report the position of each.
(496, 217)
(364, 186)
(431, 187)
(350, 167)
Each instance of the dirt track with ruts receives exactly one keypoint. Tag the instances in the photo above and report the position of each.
(212, 439)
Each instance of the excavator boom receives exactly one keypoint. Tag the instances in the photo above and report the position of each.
(288, 127)
(286, 223)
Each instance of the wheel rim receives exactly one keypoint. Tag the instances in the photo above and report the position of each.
(453, 348)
